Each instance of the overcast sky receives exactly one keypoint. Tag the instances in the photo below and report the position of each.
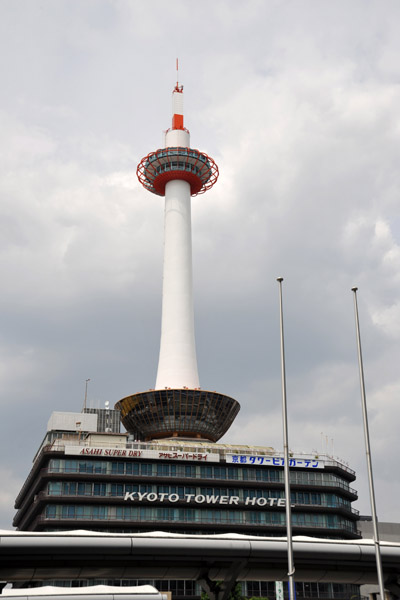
(298, 102)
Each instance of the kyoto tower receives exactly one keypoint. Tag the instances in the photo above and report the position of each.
(177, 407)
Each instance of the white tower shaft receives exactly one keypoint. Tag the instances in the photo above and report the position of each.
(177, 366)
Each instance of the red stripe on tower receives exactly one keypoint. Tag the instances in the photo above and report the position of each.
(177, 122)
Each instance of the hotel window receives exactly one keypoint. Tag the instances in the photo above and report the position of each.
(163, 469)
(164, 514)
(331, 500)
(69, 488)
(190, 471)
(84, 489)
(143, 488)
(98, 512)
(219, 473)
(54, 465)
(315, 498)
(332, 521)
(132, 468)
(99, 489)
(118, 468)
(100, 467)
(206, 472)
(71, 466)
(233, 473)
(54, 488)
(117, 489)
(51, 511)
(68, 512)
(147, 469)
(86, 467)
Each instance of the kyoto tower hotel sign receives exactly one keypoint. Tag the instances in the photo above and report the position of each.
(177, 407)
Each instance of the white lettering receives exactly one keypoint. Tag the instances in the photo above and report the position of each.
(200, 499)
(129, 496)
(212, 499)
(250, 501)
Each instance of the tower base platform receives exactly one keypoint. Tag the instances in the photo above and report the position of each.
(181, 413)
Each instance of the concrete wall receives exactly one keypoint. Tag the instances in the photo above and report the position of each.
(388, 532)
(69, 421)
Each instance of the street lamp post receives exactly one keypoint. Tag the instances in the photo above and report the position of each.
(368, 452)
(291, 568)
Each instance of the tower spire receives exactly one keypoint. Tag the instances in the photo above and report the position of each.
(177, 103)
(177, 75)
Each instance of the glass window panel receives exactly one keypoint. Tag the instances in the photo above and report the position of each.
(50, 511)
(54, 488)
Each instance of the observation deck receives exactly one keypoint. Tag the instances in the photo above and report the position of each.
(180, 413)
(187, 164)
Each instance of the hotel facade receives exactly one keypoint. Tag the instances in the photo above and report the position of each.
(83, 478)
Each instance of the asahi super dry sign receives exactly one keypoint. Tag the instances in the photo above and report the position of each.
(153, 454)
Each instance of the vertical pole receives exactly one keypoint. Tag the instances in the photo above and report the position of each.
(368, 452)
(85, 401)
(291, 568)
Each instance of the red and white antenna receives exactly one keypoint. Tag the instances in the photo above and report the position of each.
(177, 74)
(177, 102)
(178, 88)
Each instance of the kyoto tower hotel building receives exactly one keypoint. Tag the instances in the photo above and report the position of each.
(168, 472)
